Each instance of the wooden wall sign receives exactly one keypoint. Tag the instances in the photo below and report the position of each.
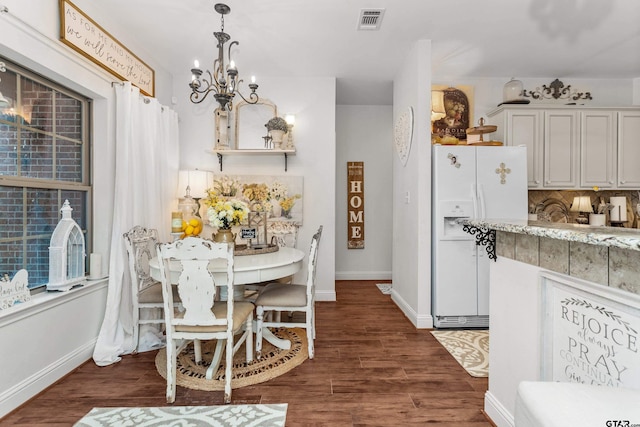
(355, 208)
(89, 39)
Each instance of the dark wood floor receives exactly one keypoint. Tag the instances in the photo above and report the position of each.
(372, 367)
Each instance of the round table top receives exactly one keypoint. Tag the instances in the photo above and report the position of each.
(251, 268)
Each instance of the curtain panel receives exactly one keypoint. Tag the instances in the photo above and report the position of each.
(146, 171)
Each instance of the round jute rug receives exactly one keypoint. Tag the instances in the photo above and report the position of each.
(273, 363)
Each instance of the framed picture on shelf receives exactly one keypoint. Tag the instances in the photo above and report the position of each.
(456, 115)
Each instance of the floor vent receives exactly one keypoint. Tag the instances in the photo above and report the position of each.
(370, 19)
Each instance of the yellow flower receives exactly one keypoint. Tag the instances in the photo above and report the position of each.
(288, 202)
(596, 188)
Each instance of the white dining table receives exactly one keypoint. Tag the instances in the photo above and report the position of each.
(248, 269)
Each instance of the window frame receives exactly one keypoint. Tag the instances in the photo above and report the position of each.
(27, 184)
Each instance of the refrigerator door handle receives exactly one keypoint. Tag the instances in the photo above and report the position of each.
(474, 198)
(483, 208)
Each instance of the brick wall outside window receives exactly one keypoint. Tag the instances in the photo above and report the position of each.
(43, 162)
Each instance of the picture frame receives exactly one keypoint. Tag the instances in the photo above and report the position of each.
(85, 36)
(458, 104)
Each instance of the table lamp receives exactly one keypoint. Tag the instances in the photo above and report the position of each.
(582, 205)
(192, 186)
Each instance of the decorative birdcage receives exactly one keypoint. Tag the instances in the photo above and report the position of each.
(66, 253)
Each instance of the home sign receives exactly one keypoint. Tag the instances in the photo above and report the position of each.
(355, 208)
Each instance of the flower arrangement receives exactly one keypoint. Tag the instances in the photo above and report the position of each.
(277, 123)
(225, 186)
(287, 204)
(277, 191)
(258, 196)
(225, 213)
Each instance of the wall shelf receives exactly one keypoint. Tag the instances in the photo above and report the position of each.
(254, 152)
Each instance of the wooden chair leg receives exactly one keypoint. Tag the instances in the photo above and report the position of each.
(171, 372)
(228, 372)
(259, 317)
(249, 341)
(197, 351)
(217, 358)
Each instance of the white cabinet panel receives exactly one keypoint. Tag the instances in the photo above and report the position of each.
(629, 149)
(598, 148)
(526, 128)
(561, 149)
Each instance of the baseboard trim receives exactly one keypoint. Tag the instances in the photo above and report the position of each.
(497, 413)
(23, 391)
(363, 275)
(420, 322)
(325, 295)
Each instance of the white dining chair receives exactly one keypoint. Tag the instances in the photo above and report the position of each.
(203, 317)
(283, 234)
(292, 298)
(146, 293)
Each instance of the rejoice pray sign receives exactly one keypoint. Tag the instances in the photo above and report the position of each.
(591, 336)
(355, 209)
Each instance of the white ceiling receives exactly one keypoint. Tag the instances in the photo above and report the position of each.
(470, 38)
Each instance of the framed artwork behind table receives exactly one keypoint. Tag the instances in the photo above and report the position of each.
(458, 111)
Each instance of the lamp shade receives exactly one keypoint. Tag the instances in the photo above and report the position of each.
(581, 204)
(197, 180)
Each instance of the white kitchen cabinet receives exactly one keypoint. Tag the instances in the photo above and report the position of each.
(598, 148)
(572, 147)
(629, 149)
(561, 147)
(523, 127)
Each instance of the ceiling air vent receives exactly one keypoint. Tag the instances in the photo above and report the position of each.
(370, 19)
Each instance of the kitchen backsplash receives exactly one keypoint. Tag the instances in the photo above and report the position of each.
(554, 206)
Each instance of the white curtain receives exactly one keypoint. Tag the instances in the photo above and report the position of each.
(146, 171)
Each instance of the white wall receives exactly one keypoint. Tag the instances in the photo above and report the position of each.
(515, 335)
(312, 100)
(364, 133)
(412, 191)
(46, 340)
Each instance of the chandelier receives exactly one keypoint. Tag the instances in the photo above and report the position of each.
(224, 81)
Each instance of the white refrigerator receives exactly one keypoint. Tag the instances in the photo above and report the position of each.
(470, 182)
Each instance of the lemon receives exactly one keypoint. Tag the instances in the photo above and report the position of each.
(189, 230)
(194, 222)
(184, 224)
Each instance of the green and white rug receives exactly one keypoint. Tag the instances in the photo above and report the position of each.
(193, 416)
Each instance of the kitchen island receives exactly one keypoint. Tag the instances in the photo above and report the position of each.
(564, 306)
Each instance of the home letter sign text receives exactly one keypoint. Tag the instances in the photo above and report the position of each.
(355, 208)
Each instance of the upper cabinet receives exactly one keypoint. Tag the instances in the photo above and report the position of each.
(560, 149)
(598, 148)
(629, 149)
(523, 127)
(574, 147)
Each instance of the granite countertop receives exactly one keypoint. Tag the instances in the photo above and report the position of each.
(619, 237)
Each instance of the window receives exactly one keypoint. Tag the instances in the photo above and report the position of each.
(44, 160)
